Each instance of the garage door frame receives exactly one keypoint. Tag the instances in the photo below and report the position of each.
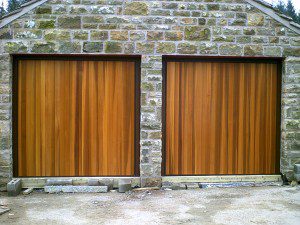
(188, 58)
(77, 57)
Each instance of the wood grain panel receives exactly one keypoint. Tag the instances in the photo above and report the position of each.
(76, 118)
(221, 118)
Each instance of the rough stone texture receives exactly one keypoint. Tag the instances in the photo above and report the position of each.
(14, 187)
(173, 186)
(76, 189)
(54, 182)
(136, 8)
(153, 28)
(290, 118)
(107, 182)
(124, 185)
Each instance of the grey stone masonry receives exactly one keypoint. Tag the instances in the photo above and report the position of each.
(152, 29)
(14, 187)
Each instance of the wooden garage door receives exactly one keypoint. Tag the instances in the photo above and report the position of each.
(221, 118)
(75, 118)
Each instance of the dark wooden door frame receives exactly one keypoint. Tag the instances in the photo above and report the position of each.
(189, 58)
(76, 57)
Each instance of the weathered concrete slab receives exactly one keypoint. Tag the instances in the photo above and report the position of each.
(124, 185)
(174, 186)
(40, 182)
(14, 187)
(222, 178)
(76, 189)
(28, 191)
(239, 184)
(60, 181)
(93, 182)
(53, 189)
(192, 185)
(84, 189)
(107, 182)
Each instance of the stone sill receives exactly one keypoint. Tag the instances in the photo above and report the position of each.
(222, 178)
(40, 182)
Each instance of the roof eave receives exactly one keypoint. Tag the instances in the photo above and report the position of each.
(25, 8)
(270, 11)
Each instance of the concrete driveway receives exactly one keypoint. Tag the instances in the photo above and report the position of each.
(242, 205)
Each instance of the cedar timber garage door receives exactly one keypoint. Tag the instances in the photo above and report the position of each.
(76, 117)
(221, 117)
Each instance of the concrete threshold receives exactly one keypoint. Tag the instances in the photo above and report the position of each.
(222, 179)
(40, 182)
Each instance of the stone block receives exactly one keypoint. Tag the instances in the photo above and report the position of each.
(70, 47)
(28, 191)
(154, 35)
(136, 8)
(196, 33)
(99, 35)
(60, 182)
(53, 189)
(192, 185)
(145, 47)
(256, 19)
(119, 35)
(46, 24)
(93, 182)
(297, 168)
(76, 189)
(151, 182)
(6, 34)
(173, 35)
(54, 35)
(92, 46)
(81, 35)
(14, 187)
(72, 22)
(253, 50)
(113, 47)
(166, 47)
(187, 48)
(208, 48)
(173, 186)
(43, 47)
(15, 47)
(124, 185)
(84, 189)
(272, 51)
(289, 51)
(230, 49)
(107, 182)
(44, 10)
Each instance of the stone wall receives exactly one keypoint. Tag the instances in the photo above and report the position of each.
(153, 29)
(290, 141)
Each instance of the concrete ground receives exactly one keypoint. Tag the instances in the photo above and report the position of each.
(242, 205)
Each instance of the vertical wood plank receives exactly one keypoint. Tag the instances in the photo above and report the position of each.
(76, 118)
(225, 119)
